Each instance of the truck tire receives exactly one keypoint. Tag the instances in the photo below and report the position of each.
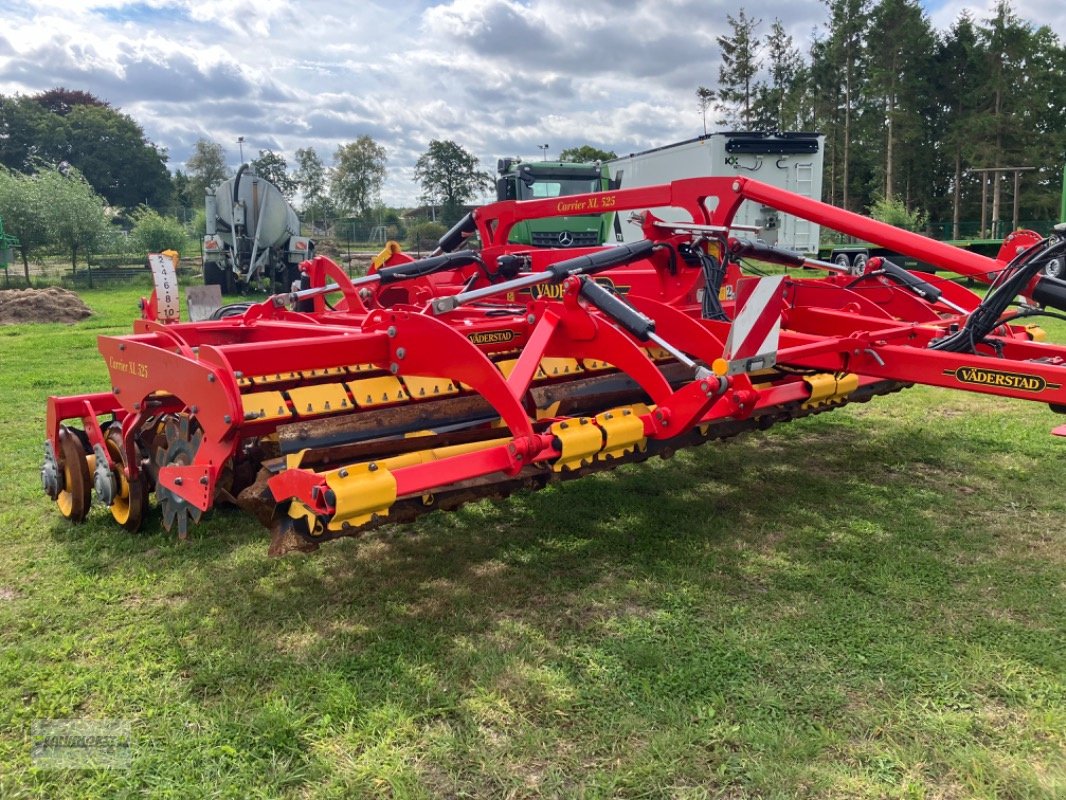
(842, 260)
(221, 276)
(214, 275)
(858, 262)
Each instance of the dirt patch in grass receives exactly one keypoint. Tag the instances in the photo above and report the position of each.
(41, 305)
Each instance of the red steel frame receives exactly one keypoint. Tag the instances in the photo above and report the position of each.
(876, 330)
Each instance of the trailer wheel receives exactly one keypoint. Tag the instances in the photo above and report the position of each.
(842, 260)
(1056, 268)
(858, 264)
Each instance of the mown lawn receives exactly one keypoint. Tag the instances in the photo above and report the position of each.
(869, 603)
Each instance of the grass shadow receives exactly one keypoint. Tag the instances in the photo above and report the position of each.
(727, 605)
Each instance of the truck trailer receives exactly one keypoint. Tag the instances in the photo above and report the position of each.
(790, 161)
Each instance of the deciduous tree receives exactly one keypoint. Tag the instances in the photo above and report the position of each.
(449, 176)
(181, 191)
(153, 233)
(704, 101)
(206, 167)
(62, 101)
(275, 168)
(586, 154)
(23, 212)
(111, 151)
(29, 134)
(311, 179)
(74, 213)
(107, 146)
(358, 175)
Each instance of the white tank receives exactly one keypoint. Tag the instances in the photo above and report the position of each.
(259, 206)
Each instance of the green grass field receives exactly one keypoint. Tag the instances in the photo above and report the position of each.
(869, 603)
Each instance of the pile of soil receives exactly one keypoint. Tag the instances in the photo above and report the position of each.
(41, 305)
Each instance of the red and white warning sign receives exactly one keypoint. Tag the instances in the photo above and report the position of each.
(753, 337)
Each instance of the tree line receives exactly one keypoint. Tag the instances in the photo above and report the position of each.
(349, 187)
(75, 171)
(914, 119)
(910, 114)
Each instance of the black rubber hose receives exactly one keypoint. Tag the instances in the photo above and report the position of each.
(742, 248)
(457, 234)
(231, 310)
(713, 275)
(901, 276)
(986, 317)
(237, 181)
(427, 266)
(601, 260)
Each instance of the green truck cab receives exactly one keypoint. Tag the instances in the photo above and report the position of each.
(537, 180)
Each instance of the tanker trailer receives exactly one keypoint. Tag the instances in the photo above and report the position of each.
(253, 236)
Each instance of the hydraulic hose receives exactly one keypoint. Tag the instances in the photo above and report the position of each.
(743, 248)
(922, 288)
(1017, 276)
(713, 275)
(1051, 292)
(426, 266)
(456, 235)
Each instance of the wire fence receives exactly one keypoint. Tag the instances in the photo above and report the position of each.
(377, 227)
(100, 270)
(94, 273)
(971, 229)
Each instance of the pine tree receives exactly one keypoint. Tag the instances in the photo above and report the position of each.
(900, 51)
(957, 79)
(1000, 129)
(777, 105)
(740, 65)
(844, 52)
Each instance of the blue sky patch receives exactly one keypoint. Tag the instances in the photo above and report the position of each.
(143, 13)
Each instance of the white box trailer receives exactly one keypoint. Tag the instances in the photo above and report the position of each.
(790, 161)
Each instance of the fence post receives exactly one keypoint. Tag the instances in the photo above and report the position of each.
(1062, 209)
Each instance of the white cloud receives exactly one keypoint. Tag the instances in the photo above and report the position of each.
(498, 76)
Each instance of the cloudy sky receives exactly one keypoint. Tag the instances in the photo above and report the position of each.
(498, 76)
